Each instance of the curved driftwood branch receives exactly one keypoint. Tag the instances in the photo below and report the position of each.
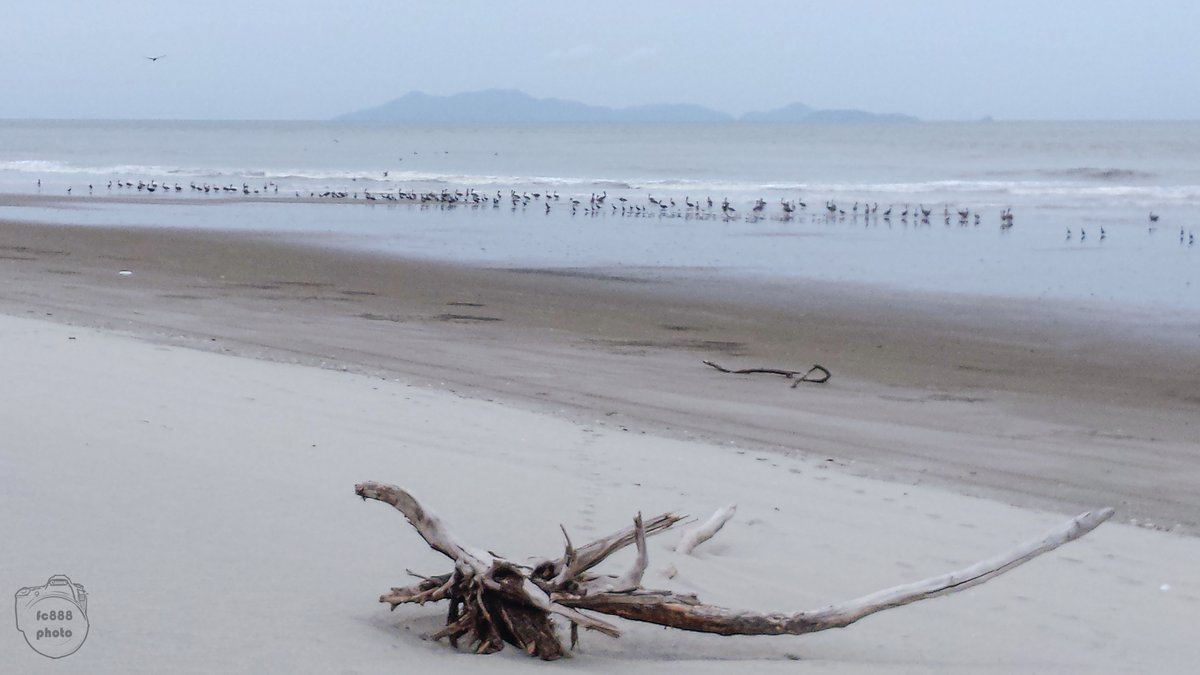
(822, 373)
(822, 377)
(428, 525)
(702, 533)
(685, 612)
(494, 601)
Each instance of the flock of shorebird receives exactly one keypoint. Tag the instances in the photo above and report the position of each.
(1191, 236)
(598, 204)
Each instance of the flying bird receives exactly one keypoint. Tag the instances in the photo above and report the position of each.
(155, 58)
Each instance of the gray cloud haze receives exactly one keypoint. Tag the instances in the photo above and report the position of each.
(302, 59)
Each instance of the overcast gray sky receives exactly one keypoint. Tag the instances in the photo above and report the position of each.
(312, 59)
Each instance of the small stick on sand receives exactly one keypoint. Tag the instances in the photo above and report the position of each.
(822, 377)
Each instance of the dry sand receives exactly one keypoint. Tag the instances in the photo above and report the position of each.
(206, 500)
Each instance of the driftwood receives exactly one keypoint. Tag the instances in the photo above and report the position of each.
(494, 601)
(822, 373)
(702, 533)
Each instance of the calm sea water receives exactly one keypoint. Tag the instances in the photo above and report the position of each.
(1102, 179)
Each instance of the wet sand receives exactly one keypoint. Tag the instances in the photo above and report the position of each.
(1042, 406)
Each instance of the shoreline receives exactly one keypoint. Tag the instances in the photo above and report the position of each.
(1044, 409)
(1134, 280)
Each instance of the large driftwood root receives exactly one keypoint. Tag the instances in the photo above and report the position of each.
(494, 601)
(817, 374)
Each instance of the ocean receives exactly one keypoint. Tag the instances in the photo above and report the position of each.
(1080, 194)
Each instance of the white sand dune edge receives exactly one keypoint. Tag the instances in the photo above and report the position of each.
(206, 503)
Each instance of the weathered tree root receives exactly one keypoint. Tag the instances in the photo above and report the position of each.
(822, 376)
(494, 601)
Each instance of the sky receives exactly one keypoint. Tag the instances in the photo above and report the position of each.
(313, 59)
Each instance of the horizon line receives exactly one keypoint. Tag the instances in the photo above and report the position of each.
(984, 119)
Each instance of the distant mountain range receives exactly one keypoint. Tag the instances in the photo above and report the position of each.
(511, 105)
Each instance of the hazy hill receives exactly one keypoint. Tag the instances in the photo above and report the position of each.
(796, 112)
(510, 105)
(499, 106)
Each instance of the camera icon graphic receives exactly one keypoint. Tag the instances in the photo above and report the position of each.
(53, 616)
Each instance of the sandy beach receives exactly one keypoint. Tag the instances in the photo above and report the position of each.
(185, 439)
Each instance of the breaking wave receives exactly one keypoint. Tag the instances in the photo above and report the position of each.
(1078, 183)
